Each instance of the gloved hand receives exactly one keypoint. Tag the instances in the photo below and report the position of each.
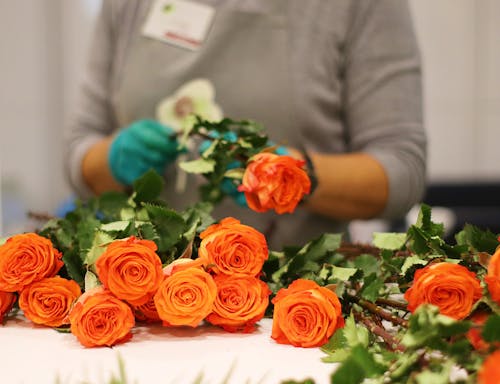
(143, 145)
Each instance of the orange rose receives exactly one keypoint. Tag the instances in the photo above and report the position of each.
(474, 334)
(27, 258)
(100, 319)
(274, 182)
(146, 312)
(180, 264)
(7, 300)
(49, 300)
(233, 248)
(131, 269)
(492, 277)
(489, 373)
(241, 301)
(451, 287)
(185, 297)
(305, 314)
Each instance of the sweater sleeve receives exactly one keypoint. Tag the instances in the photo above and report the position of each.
(92, 118)
(383, 98)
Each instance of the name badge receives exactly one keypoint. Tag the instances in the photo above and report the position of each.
(179, 22)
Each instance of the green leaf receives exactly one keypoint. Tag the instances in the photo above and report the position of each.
(148, 187)
(359, 365)
(427, 327)
(235, 173)
(86, 231)
(343, 274)
(101, 240)
(367, 263)
(337, 341)
(491, 329)
(337, 356)
(74, 265)
(91, 281)
(371, 287)
(320, 247)
(410, 262)
(147, 231)
(355, 334)
(391, 241)
(169, 225)
(115, 226)
(477, 239)
(110, 204)
(440, 377)
(198, 166)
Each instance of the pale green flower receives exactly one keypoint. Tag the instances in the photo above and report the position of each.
(197, 97)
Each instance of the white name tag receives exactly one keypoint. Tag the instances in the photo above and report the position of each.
(180, 22)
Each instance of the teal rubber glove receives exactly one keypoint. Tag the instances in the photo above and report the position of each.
(143, 145)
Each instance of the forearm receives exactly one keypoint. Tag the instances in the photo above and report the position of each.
(95, 168)
(350, 186)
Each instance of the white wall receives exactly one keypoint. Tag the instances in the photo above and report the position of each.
(44, 44)
(460, 43)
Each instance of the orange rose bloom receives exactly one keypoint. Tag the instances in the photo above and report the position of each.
(27, 258)
(241, 301)
(7, 300)
(305, 314)
(131, 269)
(492, 277)
(146, 312)
(474, 334)
(451, 287)
(185, 297)
(274, 182)
(49, 300)
(489, 373)
(100, 319)
(233, 248)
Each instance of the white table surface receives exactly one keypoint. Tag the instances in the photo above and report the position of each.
(155, 354)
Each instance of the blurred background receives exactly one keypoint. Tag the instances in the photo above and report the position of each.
(44, 45)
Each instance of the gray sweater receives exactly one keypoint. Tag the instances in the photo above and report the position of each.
(330, 76)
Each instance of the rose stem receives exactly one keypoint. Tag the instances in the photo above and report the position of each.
(379, 331)
(379, 311)
(391, 303)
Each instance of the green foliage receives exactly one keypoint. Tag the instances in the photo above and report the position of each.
(491, 330)
(82, 236)
(249, 139)
(477, 239)
(425, 345)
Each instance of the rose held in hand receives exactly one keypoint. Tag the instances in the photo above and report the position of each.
(305, 314)
(451, 287)
(131, 270)
(274, 182)
(27, 258)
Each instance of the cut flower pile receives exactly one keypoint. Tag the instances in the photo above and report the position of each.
(410, 308)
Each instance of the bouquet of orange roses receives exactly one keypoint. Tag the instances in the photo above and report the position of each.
(237, 156)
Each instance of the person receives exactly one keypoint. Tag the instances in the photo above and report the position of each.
(339, 79)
